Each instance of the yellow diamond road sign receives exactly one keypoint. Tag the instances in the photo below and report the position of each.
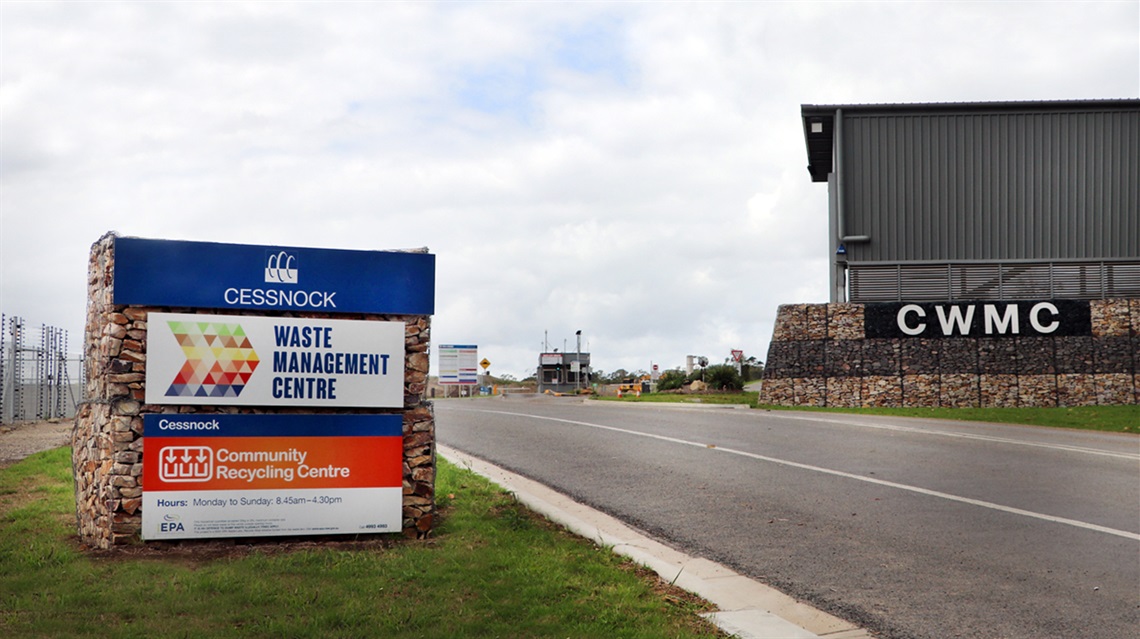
(486, 363)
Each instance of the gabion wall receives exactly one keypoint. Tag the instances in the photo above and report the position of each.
(820, 355)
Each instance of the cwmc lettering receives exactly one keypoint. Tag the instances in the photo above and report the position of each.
(977, 319)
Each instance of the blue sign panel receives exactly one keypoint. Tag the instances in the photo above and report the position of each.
(272, 278)
(290, 425)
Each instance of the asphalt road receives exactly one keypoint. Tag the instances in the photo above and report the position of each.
(910, 528)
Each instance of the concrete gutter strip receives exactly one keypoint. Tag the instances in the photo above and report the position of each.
(747, 608)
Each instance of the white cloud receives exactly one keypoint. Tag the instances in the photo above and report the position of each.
(634, 171)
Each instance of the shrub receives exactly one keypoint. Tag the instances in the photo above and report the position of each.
(723, 377)
(671, 380)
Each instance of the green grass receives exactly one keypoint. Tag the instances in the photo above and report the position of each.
(1117, 419)
(493, 569)
(744, 397)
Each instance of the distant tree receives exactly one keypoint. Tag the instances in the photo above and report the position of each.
(671, 380)
(751, 369)
(505, 378)
(618, 375)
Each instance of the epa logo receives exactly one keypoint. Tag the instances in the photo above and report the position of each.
(281, 268)
(171, 523)
(185, 463)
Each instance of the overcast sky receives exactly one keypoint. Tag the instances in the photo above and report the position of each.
(636, 171)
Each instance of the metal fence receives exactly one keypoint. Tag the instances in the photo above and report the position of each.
(39, 379)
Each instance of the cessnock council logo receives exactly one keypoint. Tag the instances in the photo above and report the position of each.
(281, 268)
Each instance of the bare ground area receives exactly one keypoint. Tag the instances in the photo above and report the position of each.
(21, 439)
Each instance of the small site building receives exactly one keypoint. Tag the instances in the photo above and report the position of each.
(563, 372)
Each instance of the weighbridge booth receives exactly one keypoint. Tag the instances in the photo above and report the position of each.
(240, 391)
(981, 254)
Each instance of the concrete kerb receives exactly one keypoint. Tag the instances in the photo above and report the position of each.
(747, 608)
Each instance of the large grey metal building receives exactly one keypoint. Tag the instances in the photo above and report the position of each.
(978, 201)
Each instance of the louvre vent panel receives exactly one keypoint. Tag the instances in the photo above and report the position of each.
(994, 281)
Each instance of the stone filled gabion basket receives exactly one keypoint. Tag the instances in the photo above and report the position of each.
(821, 355)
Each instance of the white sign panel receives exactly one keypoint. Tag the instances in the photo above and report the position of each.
(219, 475)
(273, 361)
(458, 364)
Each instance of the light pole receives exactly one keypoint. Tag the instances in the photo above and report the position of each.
(578, 361)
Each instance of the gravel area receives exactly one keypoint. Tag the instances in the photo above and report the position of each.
(19, 440)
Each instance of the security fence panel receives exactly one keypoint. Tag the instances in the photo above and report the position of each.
(39, 379)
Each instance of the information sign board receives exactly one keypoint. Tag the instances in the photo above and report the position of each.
(223, 475)
(273, 361)
(458, 364)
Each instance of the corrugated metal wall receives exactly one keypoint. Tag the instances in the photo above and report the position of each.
(992, 186)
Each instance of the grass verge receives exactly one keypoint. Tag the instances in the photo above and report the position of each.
(1117, 419)
(743, 397)
(494, 569)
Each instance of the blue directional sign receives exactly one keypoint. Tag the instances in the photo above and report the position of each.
(272, 278)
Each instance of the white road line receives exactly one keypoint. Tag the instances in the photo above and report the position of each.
(838, 473)
(942, 433)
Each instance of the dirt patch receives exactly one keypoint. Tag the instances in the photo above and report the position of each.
(21, 439)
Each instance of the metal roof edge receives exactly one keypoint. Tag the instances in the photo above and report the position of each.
(1099, 103)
